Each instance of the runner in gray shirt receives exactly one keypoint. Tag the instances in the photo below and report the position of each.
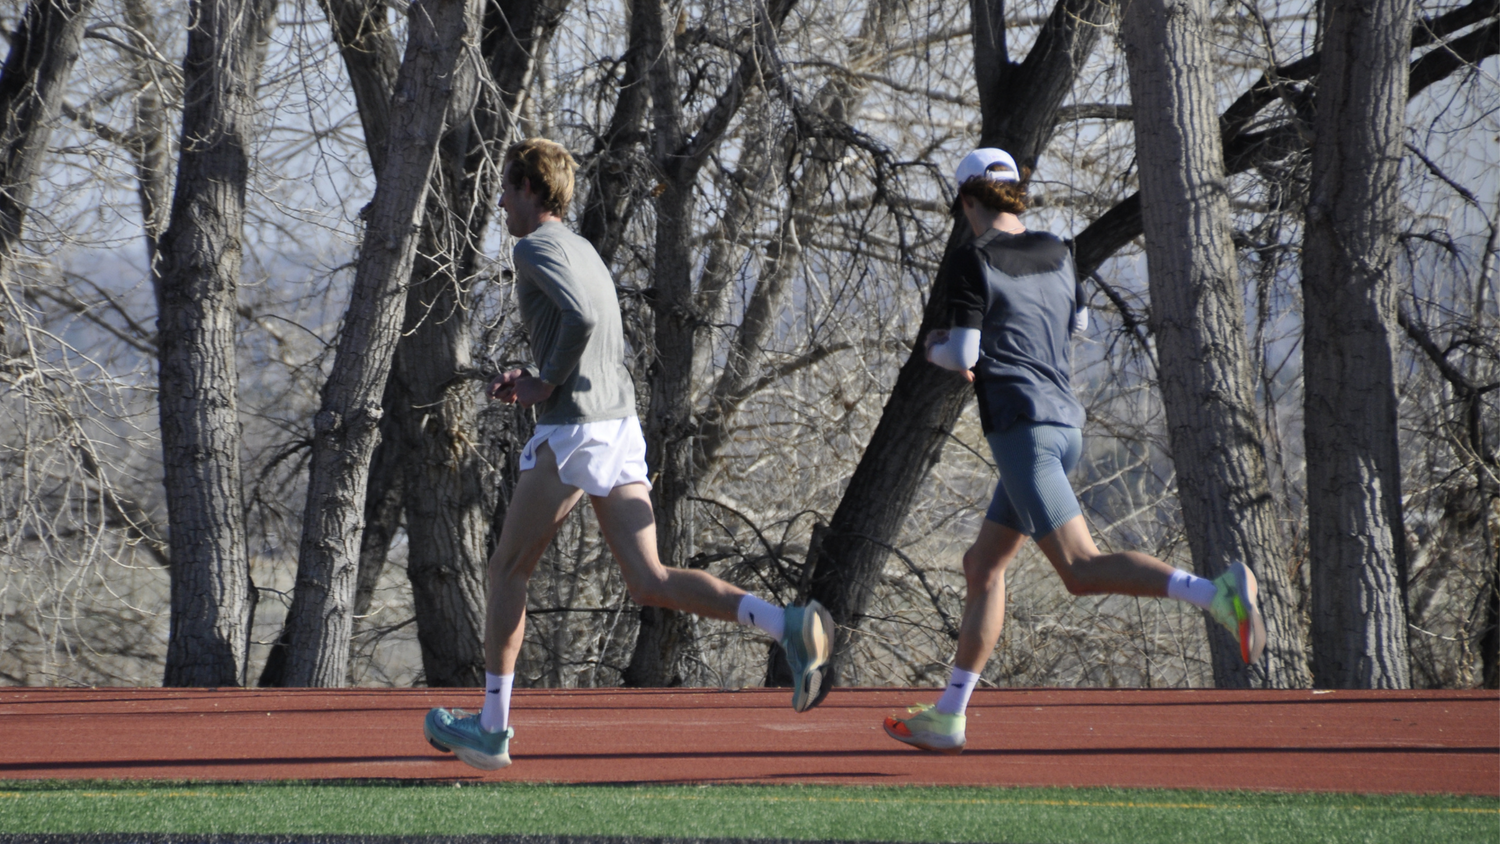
(568, 304)
(587, 440)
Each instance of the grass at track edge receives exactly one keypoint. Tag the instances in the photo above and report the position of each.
(929, 814)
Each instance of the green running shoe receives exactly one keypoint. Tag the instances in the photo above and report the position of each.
(928, 729)
(1236, 608)
(459, 731)
(808, 639)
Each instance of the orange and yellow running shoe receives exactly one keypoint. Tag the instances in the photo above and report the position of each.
(1236, 608)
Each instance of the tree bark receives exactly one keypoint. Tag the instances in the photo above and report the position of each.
(617, 179)
(665, 636)
(447, 503)
(150, 144)
(1356, 539)
(1019, 104)
(200, 257)
(446, 517)
(346, 426)
(43, 49)
(1198, 322)
(429, 461)
(373, 61)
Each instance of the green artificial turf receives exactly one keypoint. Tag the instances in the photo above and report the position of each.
(910, 814)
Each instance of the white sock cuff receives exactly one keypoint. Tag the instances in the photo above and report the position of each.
(762, 614)
(955, 698)
(1196, 590)
(495, 716)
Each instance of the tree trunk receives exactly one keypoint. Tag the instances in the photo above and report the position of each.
(200, 257)
(616, 183)
(1198, 321)
(43, 49)
(42, 52)
(372, 60)
(429, 443)
(346, 427)
(666, 636)
(1019, 105)
(1356, 540)
(150, 143)
(446, 517)
(447, 504)
(1489, 638)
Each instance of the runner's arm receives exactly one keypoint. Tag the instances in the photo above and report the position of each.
(956, 349)
(551, 275)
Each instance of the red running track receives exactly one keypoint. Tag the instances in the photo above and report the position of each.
(1373, 742)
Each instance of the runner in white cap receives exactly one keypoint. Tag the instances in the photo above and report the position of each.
(1014, 302)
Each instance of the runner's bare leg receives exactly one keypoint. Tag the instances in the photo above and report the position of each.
(538, 506)
(1086, 570)
(985, 564)
(629, 526)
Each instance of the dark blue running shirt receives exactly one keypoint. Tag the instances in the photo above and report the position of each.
(1020, 291)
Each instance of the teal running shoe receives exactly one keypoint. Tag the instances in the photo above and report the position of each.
(808, 639)
(1235, 606)
(928, 729)
(459, 732)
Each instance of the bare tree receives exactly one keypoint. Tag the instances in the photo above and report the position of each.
(346, 427)
(42, 52)
(1357, 542)
(1197, 320)
(679, 151)
(448, 504)
(200, 256)
(815, 225)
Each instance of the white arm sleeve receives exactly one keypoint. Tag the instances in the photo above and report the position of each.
(1081, 320)
(959, 352)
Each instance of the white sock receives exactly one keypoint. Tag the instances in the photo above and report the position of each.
(1196, 590)
(955, 698)
(766, 616)
(496, 713)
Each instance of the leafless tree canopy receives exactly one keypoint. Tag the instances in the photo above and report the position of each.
(771, 184)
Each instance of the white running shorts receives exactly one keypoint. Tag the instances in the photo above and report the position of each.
(596, 457)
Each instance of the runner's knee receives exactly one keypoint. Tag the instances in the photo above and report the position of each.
(982, 571)
(649, 589)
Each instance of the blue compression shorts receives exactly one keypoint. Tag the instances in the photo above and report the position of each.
(1033, 495)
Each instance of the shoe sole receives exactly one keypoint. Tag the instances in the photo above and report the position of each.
(915, 741)
(1252, 633)
(482, 761)
(817, 641)
(472, 758)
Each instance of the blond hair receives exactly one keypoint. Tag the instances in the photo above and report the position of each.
(1007, 197)
(549, 168)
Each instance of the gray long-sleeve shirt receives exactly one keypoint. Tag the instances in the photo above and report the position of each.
(568, 305)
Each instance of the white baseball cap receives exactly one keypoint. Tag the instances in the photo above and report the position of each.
(990, 163)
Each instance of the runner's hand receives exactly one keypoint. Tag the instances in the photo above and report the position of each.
(503, 386)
